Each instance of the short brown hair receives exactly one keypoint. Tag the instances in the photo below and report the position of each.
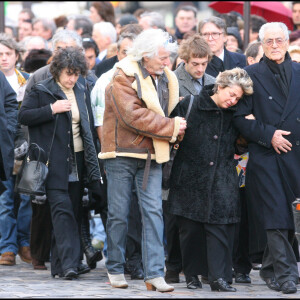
(196, 47)
(105, 11)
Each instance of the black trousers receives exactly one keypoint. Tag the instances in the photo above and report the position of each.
(279, 260)
(134, 234)
(66, 213)
(241, 258)
(206, 248)
(173, 261)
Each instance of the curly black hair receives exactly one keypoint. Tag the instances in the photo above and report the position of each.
(71, 58)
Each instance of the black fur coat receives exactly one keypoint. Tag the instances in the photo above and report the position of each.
(204, 180)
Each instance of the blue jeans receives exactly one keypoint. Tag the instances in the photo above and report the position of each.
(122, 174)
(14, 232)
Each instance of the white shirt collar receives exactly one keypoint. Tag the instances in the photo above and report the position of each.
(221, 56)
(102, 54)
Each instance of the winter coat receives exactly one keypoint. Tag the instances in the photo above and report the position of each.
(134, 123)
(36, 113)
(272, 180)
(204, 180)
(8, 126)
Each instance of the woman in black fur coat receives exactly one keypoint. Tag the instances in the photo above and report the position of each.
(204, 193)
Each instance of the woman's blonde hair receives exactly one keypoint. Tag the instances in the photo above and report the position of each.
(236, 76)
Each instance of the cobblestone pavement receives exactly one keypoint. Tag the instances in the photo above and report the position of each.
(21, 281)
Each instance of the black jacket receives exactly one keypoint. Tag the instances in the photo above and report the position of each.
(204, 180)
(8, 126)
(105, 65)
(36, 113)
(231, 60)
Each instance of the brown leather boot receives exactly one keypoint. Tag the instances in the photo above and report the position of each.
(24, 253)
(8, 259)
(38, 264)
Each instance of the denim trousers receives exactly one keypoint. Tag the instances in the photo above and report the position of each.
(123, 174)
(14, 231)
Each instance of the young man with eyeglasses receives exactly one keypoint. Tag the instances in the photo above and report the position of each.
(273, 167)
(213, 30)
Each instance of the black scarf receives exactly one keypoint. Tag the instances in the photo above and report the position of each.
(282, 72)
(215, 66)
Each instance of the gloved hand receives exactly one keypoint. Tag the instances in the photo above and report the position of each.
(21, 151)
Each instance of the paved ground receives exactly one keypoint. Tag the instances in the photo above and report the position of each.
(21, 281)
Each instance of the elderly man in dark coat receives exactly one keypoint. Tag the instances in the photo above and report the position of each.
(274, 153)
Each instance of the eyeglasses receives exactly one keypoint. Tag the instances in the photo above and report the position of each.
(270, 42)
(214, 35)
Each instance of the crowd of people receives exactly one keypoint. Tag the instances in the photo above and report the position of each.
(106, 98)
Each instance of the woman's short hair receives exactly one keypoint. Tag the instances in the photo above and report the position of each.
(194, 47)
(149, 42)
(236, 76)
(70, 58)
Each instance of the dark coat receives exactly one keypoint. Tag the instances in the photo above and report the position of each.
(8, 126)
(105, 65)
(36, 113)
(231, 60)
(204, 180)
(272, 180)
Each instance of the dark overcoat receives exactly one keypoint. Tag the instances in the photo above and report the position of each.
(36, 113)
(204, 180)
(8, 125)
(272, 180)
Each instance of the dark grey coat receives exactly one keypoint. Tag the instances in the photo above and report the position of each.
(204, 180)
(186, 86)
(8, 125)
(36, 113)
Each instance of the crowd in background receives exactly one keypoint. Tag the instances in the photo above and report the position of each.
(76, 58)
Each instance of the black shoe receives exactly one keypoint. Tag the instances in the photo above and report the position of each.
(137, 273)
(289, 287)
(83, 268)
(172, 277)
(204, 280)
(272, 284)
(192, 282)
(92, 256)
(70, 274)
(242, 278)
(221, 285)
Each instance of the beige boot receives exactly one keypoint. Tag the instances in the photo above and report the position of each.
(117, 280)
(158, 284)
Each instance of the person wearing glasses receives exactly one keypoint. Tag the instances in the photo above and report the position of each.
(213, 30)
(272, 181)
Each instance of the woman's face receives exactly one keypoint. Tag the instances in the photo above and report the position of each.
(228, 96)
(94, 16)
(68, 78)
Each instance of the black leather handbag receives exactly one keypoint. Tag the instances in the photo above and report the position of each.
(31, 179)
(166, 172)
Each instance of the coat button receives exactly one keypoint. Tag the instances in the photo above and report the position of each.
(69, 132)
(270, 97)
(67, 159)
(68, 145)
(297, 143)
(215, 137)
(298, 119)
(211, 163)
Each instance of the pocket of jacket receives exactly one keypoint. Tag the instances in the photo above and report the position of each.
(137, 140)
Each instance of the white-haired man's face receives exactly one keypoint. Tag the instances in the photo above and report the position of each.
(155, 65)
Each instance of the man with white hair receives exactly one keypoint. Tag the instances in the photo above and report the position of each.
(273, 133)
(135, 142)
(104, 34)
(152, 19)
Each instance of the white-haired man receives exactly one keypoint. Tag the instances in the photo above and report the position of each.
(135, 142)
(104, 34)
(272, 180)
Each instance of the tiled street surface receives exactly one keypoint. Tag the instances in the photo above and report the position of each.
(21, 281)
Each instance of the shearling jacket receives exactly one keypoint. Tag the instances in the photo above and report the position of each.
(134, 123)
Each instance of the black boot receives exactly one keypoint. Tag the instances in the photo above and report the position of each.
(221, 285)
(92, 255)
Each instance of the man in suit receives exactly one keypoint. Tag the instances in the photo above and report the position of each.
(273, 133)
(213, 30)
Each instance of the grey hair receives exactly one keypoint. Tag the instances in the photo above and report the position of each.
(10, 43)
(65, 35)
(125, 35)
(271, 25)
(219, 22)
(148, 42)
(106, 29)
(29, 39)
(84, 23)
(47, 24)
(236, 76)
(156, 19)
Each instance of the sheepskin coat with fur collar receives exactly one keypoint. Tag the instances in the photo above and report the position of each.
(134, 122)
(204, 181)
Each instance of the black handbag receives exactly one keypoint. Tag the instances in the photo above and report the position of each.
(31, 179)
(166, 172)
